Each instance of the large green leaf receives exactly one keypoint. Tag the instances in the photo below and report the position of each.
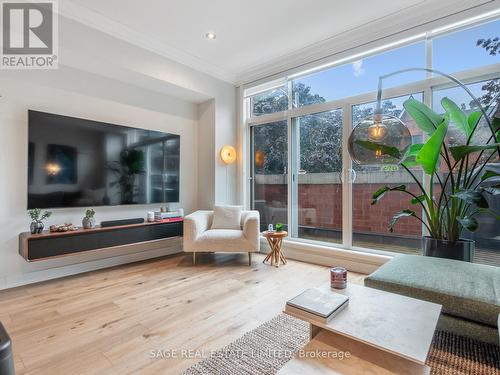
(473, 120)
(399, 215)
(469, 223)
(379, 194)
(425, 118)
(428, 156)
(496, 124)
(472, 197)
(456, 115)
(460, 152)
(414, 149)
(489, 174)
(409, 158)
(385, 150)
(419, 199)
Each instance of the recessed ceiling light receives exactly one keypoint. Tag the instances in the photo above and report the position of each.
(210, 35)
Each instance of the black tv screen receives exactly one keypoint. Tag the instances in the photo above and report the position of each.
(74, 162)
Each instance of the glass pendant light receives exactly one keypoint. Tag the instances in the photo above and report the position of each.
(383, 139)
(379, 139)
(378, 130)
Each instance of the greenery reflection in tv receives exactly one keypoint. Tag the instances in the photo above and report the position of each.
(74, 162)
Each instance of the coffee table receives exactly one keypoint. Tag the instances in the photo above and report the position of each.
(385, 333)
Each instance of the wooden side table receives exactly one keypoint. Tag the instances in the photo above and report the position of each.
(275, 239)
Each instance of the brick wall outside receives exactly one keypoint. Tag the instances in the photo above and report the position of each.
(376, 218)
(326, 200)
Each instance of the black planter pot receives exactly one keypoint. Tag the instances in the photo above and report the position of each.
(458, 250)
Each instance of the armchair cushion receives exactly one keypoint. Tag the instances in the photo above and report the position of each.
(224, 240)
(227, 217)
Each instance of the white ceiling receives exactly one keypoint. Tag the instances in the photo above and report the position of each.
(249, 32)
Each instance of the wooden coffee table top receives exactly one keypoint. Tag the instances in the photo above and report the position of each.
(399, 325)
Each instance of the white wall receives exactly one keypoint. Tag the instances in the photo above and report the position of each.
(206, 146)
(226, 132)
(107, 79)
(32, 90)
(88, 49)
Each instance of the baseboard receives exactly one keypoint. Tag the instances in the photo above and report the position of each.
(331, 256)
(310, 253)
(91, 265)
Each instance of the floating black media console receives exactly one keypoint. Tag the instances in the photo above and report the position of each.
(33, 247)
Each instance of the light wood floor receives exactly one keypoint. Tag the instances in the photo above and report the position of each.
(109, 321)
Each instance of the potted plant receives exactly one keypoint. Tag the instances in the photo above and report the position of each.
(88, 221)
(37, 218)
(457, 175)
(279, 227)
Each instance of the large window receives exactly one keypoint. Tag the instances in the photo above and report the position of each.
(301, 174)
(317, 185)
(369, 223)
(269, 177)
(466, 49)
(271, 101)
(360, 76)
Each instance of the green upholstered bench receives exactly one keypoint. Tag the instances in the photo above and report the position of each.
(468, 292)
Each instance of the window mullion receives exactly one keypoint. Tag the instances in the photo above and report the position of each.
(346, 177)
(292, 201)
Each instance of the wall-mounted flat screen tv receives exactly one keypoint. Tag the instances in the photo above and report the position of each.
(74, 162)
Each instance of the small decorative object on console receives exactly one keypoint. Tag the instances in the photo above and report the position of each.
(338, 277)
(279, 227)
(66, 227)
(270, 228)
(160, 215)
(37, 218)
(88, 221)
(150, 216)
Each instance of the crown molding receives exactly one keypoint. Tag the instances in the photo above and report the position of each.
(95, 20)
(406, 22)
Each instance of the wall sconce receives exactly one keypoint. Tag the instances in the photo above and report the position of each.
(228, 154)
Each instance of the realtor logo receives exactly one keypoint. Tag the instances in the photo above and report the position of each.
(29, 34)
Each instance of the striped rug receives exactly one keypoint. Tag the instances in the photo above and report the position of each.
(266, 349)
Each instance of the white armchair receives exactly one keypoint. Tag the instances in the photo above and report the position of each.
(199, 237)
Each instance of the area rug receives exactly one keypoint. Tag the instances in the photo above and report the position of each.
(267, 348)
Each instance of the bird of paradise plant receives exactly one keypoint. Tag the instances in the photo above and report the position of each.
(460, 171)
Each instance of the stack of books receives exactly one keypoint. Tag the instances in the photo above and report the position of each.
(314, 304)
(159, 216)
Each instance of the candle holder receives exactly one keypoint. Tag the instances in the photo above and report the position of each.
(338, 278)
